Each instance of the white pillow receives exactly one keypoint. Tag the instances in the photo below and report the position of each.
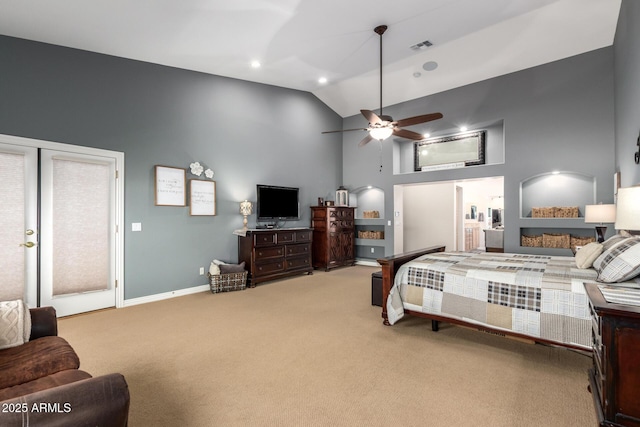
(214, 268)
(587, 254)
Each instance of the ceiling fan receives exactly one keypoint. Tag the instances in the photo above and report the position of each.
(383, 126)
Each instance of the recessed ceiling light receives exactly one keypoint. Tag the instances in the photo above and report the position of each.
(463, 128)
(426, 135)
(255, 64)
(322, 80)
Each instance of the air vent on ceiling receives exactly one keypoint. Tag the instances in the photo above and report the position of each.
(421, 46)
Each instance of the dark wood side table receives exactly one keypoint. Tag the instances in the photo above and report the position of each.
(614, 379)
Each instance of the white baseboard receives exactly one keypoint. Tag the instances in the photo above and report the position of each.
(165, 295)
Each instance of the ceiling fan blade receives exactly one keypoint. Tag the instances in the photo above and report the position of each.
(344, 130)
(365, 140)
(371, 117)
(418, 119)
(408, 134)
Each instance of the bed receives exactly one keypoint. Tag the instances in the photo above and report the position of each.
(536, 297)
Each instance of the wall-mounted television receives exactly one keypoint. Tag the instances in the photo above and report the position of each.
(277, 203)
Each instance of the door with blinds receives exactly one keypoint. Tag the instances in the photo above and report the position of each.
(19, 223)
(75, 239)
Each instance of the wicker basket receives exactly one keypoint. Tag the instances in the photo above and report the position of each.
(581, 241)
(550, 240)
(566, 212)
(547, 212)
(227, 282)
(531, 241)
(371, 214)
(366, 234)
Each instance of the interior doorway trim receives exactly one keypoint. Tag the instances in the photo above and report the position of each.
(119, 197)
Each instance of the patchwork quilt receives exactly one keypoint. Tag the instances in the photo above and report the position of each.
(535, 295)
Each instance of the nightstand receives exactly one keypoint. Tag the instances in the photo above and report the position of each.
(614, 379)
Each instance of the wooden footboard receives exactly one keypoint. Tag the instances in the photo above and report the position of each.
(390, 266)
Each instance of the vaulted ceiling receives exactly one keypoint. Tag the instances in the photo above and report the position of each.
(299, 41)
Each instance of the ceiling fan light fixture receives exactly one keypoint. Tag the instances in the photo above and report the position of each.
(382, 126)
(381, 133)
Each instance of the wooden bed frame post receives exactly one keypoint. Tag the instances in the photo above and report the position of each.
(390, 266)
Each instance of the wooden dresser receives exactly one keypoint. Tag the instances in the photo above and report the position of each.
(275, 253)
(614, 380)
(334, 241)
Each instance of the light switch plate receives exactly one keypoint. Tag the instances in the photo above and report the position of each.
(136, 226)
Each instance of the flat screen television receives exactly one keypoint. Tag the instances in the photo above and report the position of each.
(277, 203)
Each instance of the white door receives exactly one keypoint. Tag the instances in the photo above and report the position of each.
(78, 261)
(18, 223)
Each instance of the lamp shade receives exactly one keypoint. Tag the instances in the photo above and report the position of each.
(246, 208)
(628, 209)
(601, 214)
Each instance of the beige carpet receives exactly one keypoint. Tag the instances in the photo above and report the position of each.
(312, 351)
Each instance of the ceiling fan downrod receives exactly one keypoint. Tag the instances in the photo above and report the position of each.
(380, 29)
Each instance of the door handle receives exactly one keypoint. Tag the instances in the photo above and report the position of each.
(28, 244)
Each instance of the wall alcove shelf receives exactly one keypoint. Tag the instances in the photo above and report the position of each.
(553, 204)
(370, 223)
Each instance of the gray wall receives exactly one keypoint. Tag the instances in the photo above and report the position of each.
(247, 133)
(558, 116)
(627, 91)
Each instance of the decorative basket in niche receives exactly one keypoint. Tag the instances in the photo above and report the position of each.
(581, 241)
(371, 214)
(550, 240)
(227, 282)
(531, 241)
(566, 212)
(547, 212)
(365, 234)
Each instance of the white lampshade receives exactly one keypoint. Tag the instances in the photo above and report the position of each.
(380, 133)
(246, 208)
(628, 209)
(602, 214)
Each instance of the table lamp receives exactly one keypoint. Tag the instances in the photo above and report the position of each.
(246, 209)
(602, 214)
(628, 209)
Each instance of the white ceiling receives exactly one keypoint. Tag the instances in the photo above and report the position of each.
(298, 41)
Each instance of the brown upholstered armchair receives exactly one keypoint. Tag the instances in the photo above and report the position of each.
(41, 383)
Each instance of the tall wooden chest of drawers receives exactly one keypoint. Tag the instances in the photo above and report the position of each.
(614, 379)
(275, 253)
(333, 236)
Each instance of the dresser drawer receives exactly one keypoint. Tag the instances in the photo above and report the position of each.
(266, 268)
(286, 237)
(303, 236)
(265, 239)
(293, 250)
(295, 263)
(269, 252)
(340, 224)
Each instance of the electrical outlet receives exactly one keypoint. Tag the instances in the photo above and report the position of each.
(202, 271)
(372, 250)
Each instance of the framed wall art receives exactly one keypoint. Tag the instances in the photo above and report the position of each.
(170, 186)
(202, 197)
